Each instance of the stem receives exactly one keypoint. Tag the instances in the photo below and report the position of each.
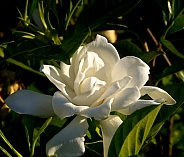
(25, 15)
(8, 143)
(41, 13)
(145, 46)
(164, 55)
(160, 48)
(157, 44)
(5, 151)
(170, 134)
(43, 127)
(70, 16)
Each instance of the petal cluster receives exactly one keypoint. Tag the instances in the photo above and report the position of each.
(96, 83)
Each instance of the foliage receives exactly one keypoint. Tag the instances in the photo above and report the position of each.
(151, 30)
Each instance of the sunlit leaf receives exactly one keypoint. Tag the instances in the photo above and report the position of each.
(177, 92)
(131, 135)
(1, 52)
(22, 65)
(181, 75)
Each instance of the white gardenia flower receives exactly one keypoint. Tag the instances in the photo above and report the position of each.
(96, 83)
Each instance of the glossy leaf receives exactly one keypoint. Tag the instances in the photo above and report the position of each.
(31, 49)
(178, 24)
(131, 135)
(166, 111)
(128, 48)
(171, 48)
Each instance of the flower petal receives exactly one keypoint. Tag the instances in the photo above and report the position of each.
(131, 66)
(67, 74)
(69, 142)
(100, 112)
(29, 102)
(125, 97)
(157, 93)
(103, 49)
(90, 66)
(63, 108)
(90, 83)
(140, 104)
(106, 51)
(109, 127)
(54, 75)
(87, 98)
(112, 89)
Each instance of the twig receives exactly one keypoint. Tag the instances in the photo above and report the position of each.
(169, 63)
(159, 46)
(170, 134)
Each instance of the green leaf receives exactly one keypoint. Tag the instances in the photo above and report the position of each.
(94, 130)
(128, 48)
(70, 45)
(20, 48)
(131, 135)
(92, 18)
(171, 47)
(175, 67)
(2, 49)
(22, 65)
(9, 144)
(149, 56)
(178, 7)
(29, 124)
(164, 6)
(41, 50)
(4, 150)
(47, 52)
(56, 121)
(178, 24)
(181, 75)
(95, 148)
(23, 34)
(1, 52)
(177, 92)
(61, 52)
(42, 129)
(32, 9)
